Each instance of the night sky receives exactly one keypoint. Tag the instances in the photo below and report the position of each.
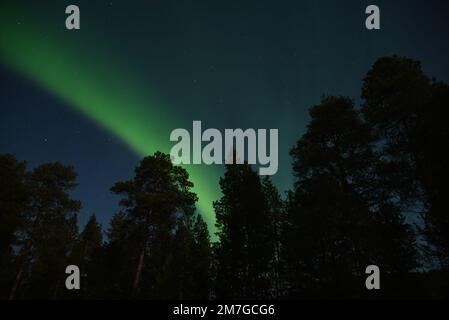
(102, 97)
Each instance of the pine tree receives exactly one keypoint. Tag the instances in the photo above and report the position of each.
(408, 113)
(85, 255)
(201, 259)
(277, 216)
(245, 248)
(335, 204)
(49, 232)
(155, 201)
(116, 263)
(13, 201)
(186, 274)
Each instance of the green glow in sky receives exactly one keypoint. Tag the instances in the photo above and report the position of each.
(102, 89)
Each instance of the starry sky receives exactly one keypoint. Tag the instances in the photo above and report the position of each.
(102, 97)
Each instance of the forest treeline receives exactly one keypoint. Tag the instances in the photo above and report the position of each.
(369, 188)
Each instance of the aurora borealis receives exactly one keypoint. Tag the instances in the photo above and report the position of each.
(94, 87)
(139, 69)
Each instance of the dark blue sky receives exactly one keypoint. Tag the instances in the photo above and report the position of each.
(249, 64)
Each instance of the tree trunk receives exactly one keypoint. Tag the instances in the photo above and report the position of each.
(25, 253)
(138, 271)
(141, 258)
(18, 278)
(16, 282)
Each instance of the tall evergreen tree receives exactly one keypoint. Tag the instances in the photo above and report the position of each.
(202, 258)
(186, 273)
(155, 202)
(409, 115)
(334, 205)
(117, 260)
(277, 217)
(85, 255)
(13, 202)
(245, 248)
(48, 234)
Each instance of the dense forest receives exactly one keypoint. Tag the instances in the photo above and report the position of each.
(369, 188)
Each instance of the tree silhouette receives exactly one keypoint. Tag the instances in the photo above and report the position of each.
(85, 254)
(276, 217)
(245, 248)
(408, 114)
(48, 232)
(369, 188)
(335, 205)
(13, 202)
(159, 208)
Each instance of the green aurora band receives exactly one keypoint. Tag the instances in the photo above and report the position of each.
(101, 89)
